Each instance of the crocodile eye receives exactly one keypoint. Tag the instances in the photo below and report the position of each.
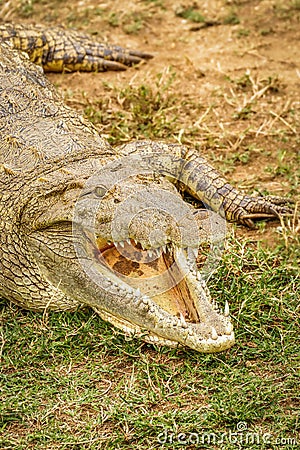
(100, 191)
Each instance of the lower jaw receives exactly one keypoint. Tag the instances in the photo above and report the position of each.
(176, 301)
(204, 346)
(135, 331)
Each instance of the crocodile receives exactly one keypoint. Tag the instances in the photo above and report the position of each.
(87, 224)
(58, 49)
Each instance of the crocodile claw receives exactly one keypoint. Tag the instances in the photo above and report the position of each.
(260, 208)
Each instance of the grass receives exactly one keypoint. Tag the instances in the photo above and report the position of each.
(151, 110)
(69, 380)
(190, 13)
(131, 23)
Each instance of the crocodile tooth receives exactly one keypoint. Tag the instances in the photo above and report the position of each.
(198, 276)
(214, 334)
(194, 251)
(158, 252)
(135, 241)
(121, 243)
(191, 262)
(150, 253)
(128, 241)
(228, 328)
(226, 309)
(183, 321)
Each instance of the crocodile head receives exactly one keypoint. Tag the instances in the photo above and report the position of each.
(129, 251)
(148, 238)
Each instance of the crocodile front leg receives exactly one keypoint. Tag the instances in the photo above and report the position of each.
(58, 49)
(204, 182)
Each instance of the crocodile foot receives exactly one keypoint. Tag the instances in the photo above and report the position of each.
(251, 209)
(58, 49)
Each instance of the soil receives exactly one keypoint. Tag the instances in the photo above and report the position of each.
(236, 67)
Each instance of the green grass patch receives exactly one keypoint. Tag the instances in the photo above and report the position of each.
(190, 13)
(231, 19)
(131, 23)
(70, 380)
(151, 110)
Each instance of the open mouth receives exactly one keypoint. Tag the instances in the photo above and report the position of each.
(155, 272)
(168, 277)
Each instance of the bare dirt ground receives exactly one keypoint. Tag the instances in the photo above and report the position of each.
(225, 78)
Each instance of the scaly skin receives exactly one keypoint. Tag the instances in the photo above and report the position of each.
(78, 218)
(57, 49)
